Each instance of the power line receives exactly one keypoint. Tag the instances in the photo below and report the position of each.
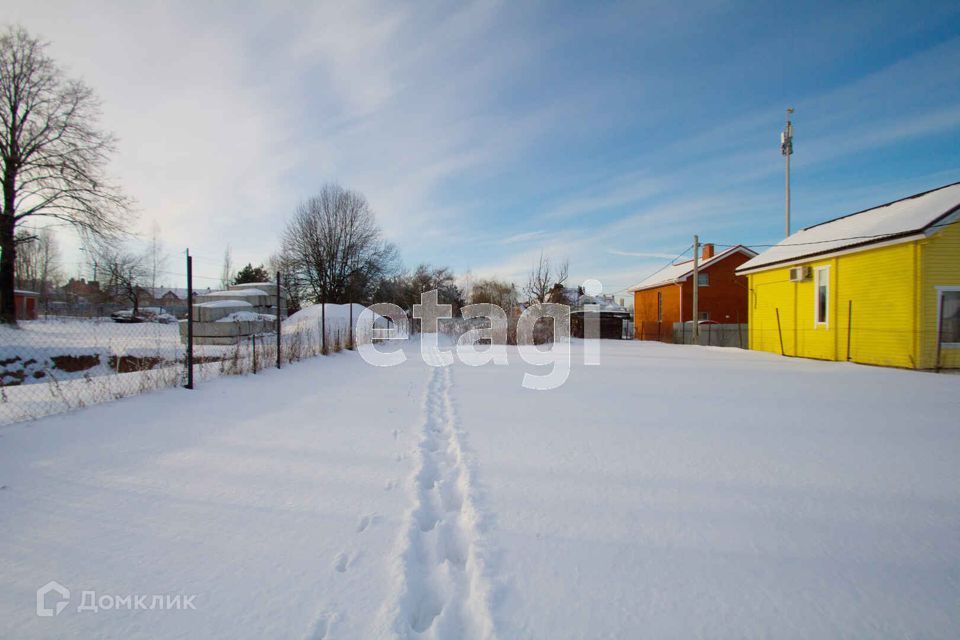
(671, 263)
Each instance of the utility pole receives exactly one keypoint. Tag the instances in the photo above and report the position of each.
(786, 148)
(189, 360)
(696, 289)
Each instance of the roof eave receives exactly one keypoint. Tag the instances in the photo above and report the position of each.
(723, 255)
(655, 285)
(906, 236)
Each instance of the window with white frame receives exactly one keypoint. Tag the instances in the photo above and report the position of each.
(659, 306)
(821, 308)
(703, 279)
(948, 327)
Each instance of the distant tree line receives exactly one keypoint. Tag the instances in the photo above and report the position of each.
(332, 250)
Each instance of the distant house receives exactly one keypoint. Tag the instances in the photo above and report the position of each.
(167, 296)
(880, 286)
(81, 290)
(611, 318)
(171, 299)
(667, 296)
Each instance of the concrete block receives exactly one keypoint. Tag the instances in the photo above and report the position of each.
(213, 311)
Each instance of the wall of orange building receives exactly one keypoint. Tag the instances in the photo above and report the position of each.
(724, 298)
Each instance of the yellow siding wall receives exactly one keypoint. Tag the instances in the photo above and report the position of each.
(881, 283)
(940, 265)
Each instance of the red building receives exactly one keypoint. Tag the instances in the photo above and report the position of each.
(25, 304)
(82, 290)
(667, 296)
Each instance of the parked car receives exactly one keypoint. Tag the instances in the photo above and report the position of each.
(125, 316)
(144, 314)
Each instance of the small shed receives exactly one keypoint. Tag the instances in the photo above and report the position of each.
(25, 303)
(612, 317)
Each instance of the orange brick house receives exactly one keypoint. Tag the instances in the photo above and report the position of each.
(667, 296)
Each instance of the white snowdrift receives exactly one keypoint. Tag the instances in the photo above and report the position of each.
(670, 492)
(249, 316)
(308, 321)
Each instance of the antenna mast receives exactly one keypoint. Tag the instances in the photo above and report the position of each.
(786, 148)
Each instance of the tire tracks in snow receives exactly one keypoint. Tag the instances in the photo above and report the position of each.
(442, 590)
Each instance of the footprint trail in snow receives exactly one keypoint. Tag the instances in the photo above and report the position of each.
(443, 592)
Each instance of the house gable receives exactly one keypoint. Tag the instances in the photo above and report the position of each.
(682, 271)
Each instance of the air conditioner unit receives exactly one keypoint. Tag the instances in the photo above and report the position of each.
(799, 274)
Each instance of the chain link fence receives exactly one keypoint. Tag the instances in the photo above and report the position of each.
(57, 362)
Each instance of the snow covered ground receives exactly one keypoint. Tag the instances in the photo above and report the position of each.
(671, 492)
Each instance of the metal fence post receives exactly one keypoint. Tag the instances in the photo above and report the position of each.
(323, 327)
(189, 321)
(279, 299)
(849, 326)
(779, 331)
(351, 326)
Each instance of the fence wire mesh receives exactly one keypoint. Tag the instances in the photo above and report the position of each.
(59, 362)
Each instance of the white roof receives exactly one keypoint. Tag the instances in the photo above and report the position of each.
(681, 271)
(898, 219)
(605, 303)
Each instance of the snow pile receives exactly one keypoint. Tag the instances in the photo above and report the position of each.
(220, 304)
(308, 321)
(236, 293)
(248, 316)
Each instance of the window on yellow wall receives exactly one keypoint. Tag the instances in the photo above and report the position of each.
(949, 328)
(822, 295)
(659, 306)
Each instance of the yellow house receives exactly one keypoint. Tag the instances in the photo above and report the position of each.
(880, 286)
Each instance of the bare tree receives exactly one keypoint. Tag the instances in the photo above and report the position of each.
(125, 274)
(53, 156)
(38, 262)
(562, 273)
(538, 280)
(544, 279)
(156, 257)
(226, 271)
(333, 249)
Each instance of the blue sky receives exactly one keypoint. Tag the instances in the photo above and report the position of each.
(485, 133)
